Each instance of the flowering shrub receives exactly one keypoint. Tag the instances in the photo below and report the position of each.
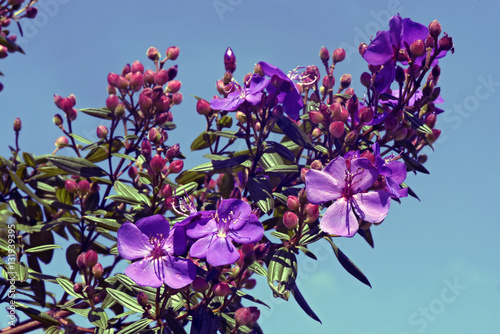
(195, 238)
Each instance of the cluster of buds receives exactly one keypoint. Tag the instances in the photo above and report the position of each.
(246, 315)
(92, 270)
(299, 211)
(11, 11)
(67, 105)
(82, 187)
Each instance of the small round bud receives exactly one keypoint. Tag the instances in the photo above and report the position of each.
(78, 288)
(161, 77)
(172, 152)
(70, 186)
(153, 54)
(365, 115)
(137, 67)
(324, 54)
(173, 52)
(430, 120)
(292, 203)
(176, 166)
(91, 258)
(312, 212)
(242, 316)
(336, 129)
(157, 163)
(352, 104)
(112, 101)
(203, 107)
(149, 77)
(146, 148)
(172, 72)
(345, 81)
(316, 117)
(316, 165)
(136, 81)
(133, 172)
(351, 138)
(173, 86)
(119, 110)
(166, 191)
(362, 49)
(290, 220)
(17, 124)
(58, 120)
(80, 261)
(221, 289)
(61, 142)
(97, 270)
(177, 98)
(434, 28)
(102, 131)
(446, 43)
(31, 12)
(229, 60)
(366, 79)
(142, 299)
(84, 186)
(154, 136)
(199, 284)
(417, 48)
(338, 55)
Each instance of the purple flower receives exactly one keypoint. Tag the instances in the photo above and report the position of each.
(233, 221)
(346, 182)
(385, 48)
(252, 94)
(148, 241)
(287, 94)
(393, 171)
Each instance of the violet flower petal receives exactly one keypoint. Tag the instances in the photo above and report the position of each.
(372, 206)
(200, 248)
(132, 243)
(153, 225)
(365, 174)
(252, 231)
(380, 50)
(413, 31)
(222, 252)
(339, 219)
(143, 273)
(202, 228)
(179, 272)
(231, 208)
(323, 187)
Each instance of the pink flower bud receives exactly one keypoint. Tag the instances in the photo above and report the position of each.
(31, 12)
(97, 270)
(172, 152)
(102, 131)
(132, 172)
(338, 55)
(161, 77)
(3, 52)
(229, 60)
(17, 124)
(149, 77)
(290, 220)
(122, 83)
(199, 284)
(430, 120)
(417, 48)
(362, 48)
(365, 115)
(366, 79)
(434, 28)
(292, 203)
(80, 262)
(173, 52)
(166, 191)
(73, 113)
(137, 67)
(345, 80)
(112, 101)
(176, 166)
(146, 148)
(78, 287)
(70, 186)
(203, 107)
(177, 98)
(446, 43)
(172, 72)
(163, 103)
(154, 135)
(136, 81)
(351, 138)
(153, 54)
(328, 82)
(84, 186)
(242, 316)
(157, 163)
(221, 289)
(336, 129)
(316, 117)
(145, 102)
(113, 79)
(312, 212)
(61, 142)
(66, 104)
(324, 54)
(173, 86)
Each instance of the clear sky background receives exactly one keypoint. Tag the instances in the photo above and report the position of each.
(434, 268)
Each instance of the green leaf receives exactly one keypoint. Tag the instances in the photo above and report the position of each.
(302, 302)
(68, 287)
(36, 314)
(136, 327)
(417, 123)
(98, 317)
(106, 223)
(284, 169)
(295, 133)
(348, 264)
(125, 300)
(280, 235)
(102, 113)
(54, 330)
(185, 189)
(123, 156)
(283, 270)
(28, 158)
(413, 164)
(42, 248)
(81, 139)
(257, 268)
(97, 154)
(226, 134)
(203, 141)
(77, 166)
(131, 194)
(10, 45)
(21, 185)
(21, 271)
(261, 193)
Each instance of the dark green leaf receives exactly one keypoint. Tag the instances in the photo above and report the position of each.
(36, 314)
(28, 158)
(261, 193)
(98, 317)
(125, 300)
(68, 287)
(77, 166)
(283, 270)
(413, 164)
(348, 264)
(302, 303)
(185, 189)
(21, 185)
(283, 151)
(367, 235)
(417, 123)
(280, 235)
(102, 113)
(81, 139)
(284, 169)
(295, 133)
(188, 176)
(307, 252)
(204, 140)
(136, 327)
(41, 248)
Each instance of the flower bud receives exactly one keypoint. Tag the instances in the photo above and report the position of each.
(166, 191)
(221, 289)
(351, 138)
(432, 137)
(136, 81)
(137, 67)
(430, 120)
(229, 60)
(338, 55)
(78, 288)
(352, 104)
(161, 77)
(58, 120)
(434, 28)
(366, 79)
(172, 52)
(316, 117)
(80, 261)
(84, 186)
(400, 134)
(312, 212)
(4, 52)
(362, 48)
(31, 12)
(132, 172)
(113, 79)
(119, 110)
(199, 284)
(72, 114)
(102, 131)
(157, 163)
(203, 107)
(365, 115)
(172, 152)
(428, 89)
(176, 166)
(324, 54)
(242, 316)
(61, 142)
(328, 82)
(153, 54)
(112, 101)
(336, 129)
(146, 148)
(17, 124)
(345, 81)
(177, 98)
(290, 220)
(417, 48)
(173, 86)
(149, 77)
(400, 75)
(97, 270)
(145, 102)
(142, 299)
(446, 43)
(70, 186)
(154, 135)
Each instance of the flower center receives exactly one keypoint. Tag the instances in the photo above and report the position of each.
(350, 181)
(158, 241)
(223, 224)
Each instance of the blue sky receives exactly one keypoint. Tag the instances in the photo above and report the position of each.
(434, 268)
